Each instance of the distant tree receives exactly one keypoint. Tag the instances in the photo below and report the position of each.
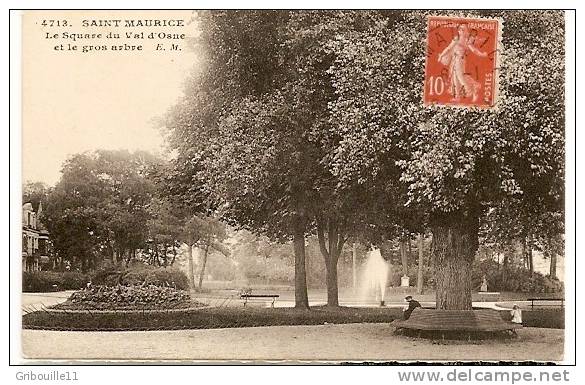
(182, 213)
(212, 233)
(99, 207)
(512, 222)
(130, 191)
(164, 232)
(35, 193)
(260, 259)
(75, 210)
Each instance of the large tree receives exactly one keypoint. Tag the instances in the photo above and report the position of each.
(455, 162)
(256, 121)
(238, 124)
(99, 207)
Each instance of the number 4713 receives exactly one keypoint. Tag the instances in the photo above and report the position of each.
(55, 23)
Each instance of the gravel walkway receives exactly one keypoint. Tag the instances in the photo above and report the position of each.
(357, 342)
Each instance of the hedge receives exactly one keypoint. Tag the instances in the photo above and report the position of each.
(47, 281)
(540, 318)
(206, 318)
(515, 279)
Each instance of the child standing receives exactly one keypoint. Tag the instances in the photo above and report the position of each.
(516, 314)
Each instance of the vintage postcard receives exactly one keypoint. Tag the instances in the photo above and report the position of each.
(295, 186)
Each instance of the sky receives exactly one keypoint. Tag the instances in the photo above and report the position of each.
(75, 102)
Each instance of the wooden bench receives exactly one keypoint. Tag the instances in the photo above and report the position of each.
(485, 320)
(532, 300)
(248, 297)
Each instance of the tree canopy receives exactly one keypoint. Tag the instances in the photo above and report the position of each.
(455, 162)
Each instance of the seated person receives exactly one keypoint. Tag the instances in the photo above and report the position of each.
(412, 304)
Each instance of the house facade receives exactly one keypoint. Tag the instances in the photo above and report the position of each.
(35, 239)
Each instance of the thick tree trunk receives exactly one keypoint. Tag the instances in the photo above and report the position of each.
(191, 266)
(335, 245)
(203, 263)
(301, 297)
(421, 256)
(455, 242)
(330, 251)
(332, 286)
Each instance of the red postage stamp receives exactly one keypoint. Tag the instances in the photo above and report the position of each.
(461, 62)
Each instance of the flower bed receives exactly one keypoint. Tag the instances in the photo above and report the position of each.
(120, 297)
(141, 274)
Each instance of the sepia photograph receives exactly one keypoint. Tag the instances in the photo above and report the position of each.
(295, 187)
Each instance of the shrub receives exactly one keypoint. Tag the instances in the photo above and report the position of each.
(132, 296)
(142, 275)
(171, 277)
(74, 280)
(46, 281)
(394, 278)
(41, 281)
(108, 276)
(515, 279)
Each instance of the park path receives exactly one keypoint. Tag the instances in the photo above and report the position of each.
(37, 301)
(359, 342)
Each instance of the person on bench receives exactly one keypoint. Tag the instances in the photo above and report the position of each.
(412, 304)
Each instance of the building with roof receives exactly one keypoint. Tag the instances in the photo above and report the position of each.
(35, 239)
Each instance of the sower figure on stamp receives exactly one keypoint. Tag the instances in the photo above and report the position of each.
(412, 304)
(460, 83)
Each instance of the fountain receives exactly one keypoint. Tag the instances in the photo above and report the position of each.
(374, 277)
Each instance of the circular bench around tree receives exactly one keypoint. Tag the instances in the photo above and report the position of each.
(466, 322)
